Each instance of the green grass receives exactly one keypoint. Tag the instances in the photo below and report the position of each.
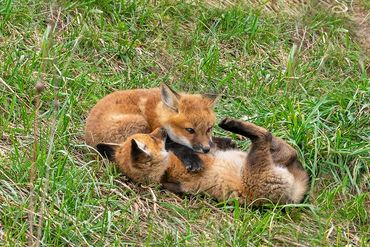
(300, 75)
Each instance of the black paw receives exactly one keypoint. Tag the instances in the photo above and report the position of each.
(229, 124)
(187, 156)
(192, 164)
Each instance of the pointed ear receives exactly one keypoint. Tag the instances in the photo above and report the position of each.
(159, 133)
(169, 97)
(212, 98)
(107, 150)
(139, 152)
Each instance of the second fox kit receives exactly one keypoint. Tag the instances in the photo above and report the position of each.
(187, 118)
(269, 170)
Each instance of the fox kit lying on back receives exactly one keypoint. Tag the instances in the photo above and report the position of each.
(269, 169)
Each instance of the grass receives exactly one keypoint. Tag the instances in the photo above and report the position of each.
(296, 71)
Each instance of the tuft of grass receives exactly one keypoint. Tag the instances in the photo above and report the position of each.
(293, 69)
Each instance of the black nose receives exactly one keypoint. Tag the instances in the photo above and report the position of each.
(206, 149)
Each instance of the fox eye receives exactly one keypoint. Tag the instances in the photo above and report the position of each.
(190, 130)
(209, 129)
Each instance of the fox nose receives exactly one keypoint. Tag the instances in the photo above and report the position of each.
(206, 149)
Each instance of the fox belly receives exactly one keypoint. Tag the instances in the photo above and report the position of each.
(221, 177)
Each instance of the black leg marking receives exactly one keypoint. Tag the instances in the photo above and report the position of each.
(232, 125)
(106, 150)
(241, 128)
(189, 158)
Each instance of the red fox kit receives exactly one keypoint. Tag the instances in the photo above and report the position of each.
(187, 118)
(269, 170)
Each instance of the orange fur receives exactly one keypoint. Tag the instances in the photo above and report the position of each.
(269, 170)
(124, 113)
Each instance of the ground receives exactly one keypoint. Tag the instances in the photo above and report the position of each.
(298, 68)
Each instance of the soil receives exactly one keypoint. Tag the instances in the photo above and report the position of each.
(361, 18)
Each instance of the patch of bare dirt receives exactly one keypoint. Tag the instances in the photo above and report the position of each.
(356, 13)
(361, 18)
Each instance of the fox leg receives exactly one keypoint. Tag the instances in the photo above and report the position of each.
(186, 155)
(281, 152)
(252, 131)
(259, 152)
(223, 143)
(261, 177)
(115, 129)
(285, 155)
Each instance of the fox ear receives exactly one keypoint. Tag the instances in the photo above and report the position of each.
(169, 97)
(159, 133)
(107, 150)
(139, 152)
(212, 98)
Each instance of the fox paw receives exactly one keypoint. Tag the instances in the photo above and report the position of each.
(193, 165)
(190, 159)
(187, 156)
(229, 124)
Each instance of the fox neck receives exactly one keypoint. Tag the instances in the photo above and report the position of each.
(176, 170)
(164, 113)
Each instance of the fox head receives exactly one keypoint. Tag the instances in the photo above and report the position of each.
(142, 157)
(188, 118)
